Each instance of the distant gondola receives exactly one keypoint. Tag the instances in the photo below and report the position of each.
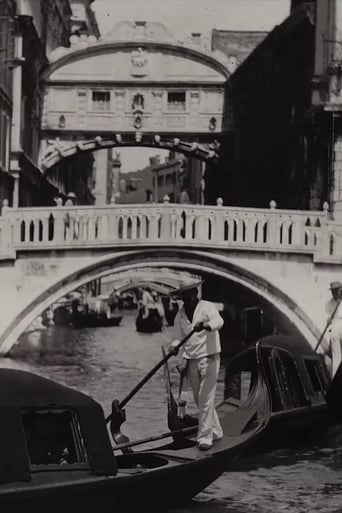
(151, 324)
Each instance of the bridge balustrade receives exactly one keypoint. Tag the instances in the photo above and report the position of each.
(215, 226)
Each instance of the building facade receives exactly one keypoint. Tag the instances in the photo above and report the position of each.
(32, 29)
(178, 177)
(7, 11)
(287, 113)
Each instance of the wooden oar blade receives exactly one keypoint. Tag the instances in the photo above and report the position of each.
(173, 421)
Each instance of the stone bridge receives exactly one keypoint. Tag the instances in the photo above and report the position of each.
(287, 258)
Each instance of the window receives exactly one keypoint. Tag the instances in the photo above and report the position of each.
(100, 100)
(287, 388)
(316, 375)
(170, 178)
(176, 101)
(160, 180)
(53, 437)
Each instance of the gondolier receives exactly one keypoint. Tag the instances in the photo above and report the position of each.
(334, 312)
(201, 356)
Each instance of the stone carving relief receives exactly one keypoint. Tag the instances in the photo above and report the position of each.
(139, 63)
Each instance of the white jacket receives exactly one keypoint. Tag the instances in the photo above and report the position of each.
(203, 343)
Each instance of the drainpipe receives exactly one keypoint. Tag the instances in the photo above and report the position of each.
(16, 115)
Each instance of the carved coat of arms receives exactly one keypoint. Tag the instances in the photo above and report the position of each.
(139, 63)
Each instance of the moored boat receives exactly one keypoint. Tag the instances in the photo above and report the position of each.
(56, 454)
(298, 379)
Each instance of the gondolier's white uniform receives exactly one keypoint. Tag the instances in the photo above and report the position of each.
(335, 334)
(202, 351)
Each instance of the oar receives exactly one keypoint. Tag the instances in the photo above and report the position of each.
(168, 434)
(118, 415)
(328, 323)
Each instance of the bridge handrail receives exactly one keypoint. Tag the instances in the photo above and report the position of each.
(208, 225)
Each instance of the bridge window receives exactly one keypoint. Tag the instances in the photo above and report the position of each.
(100, 100)
(176, 101)
(331, 244)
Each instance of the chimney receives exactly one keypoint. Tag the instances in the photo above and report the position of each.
(196, 38)
(140, 29)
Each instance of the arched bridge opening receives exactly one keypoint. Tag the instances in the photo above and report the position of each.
(58, 151)
(224, 283)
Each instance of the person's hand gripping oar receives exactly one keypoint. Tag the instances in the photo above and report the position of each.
(118, 414)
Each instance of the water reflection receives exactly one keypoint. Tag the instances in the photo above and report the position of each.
(108, 362)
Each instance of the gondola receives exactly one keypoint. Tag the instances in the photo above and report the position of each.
(299, 381)
(56, 453)
(151, 324)
(305, 404)
(95, 321)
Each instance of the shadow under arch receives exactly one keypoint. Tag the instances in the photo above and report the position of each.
(183, 259)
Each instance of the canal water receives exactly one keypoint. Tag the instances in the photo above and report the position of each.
(106, 363)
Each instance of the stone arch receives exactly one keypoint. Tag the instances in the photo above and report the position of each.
(66, 150)
(187, 259)
(69, 55)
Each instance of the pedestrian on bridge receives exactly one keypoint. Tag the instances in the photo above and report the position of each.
(200, 357)
(334, 312)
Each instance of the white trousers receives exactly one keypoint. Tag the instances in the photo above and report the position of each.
(335, 346)
(203, 374)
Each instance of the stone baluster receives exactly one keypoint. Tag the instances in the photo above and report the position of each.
(91, 229)
(81, 228)
(273, 227)
(134, 218)
(218, 233)
(59, 226)
(154, 224)
(17, 230)
(36, 226)
(124, 226)
(27, 229)
(113, 225)
(325, 231)
(250, 224)
(165, 233)
(173, 225)
(45, 228)
(9, 229)
(202, 227)
(103, 229)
